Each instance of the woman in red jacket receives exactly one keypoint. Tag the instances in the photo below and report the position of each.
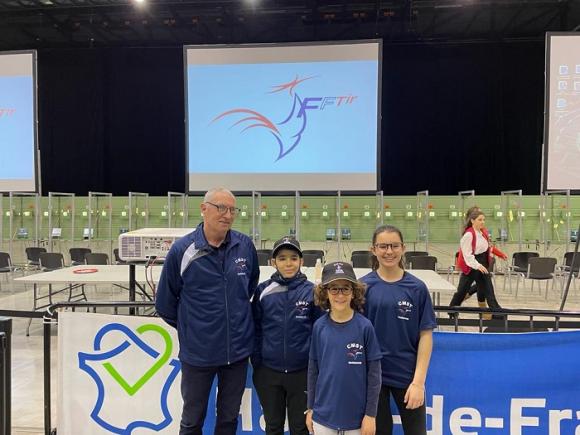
(474, 259)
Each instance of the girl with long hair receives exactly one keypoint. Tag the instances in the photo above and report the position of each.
(399, 307)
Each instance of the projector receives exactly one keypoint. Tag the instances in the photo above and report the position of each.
(141, 245)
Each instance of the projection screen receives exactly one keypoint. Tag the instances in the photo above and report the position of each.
(283, 117)
(562, 119)
(18, 122)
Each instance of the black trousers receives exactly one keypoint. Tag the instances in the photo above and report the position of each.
(279, 391)
(485, 291)
(195, 389)
(414, 420)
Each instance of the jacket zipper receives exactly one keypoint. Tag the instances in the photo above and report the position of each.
(227, 310)
(285, 327)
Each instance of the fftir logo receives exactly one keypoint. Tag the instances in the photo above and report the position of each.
(131, 367)
(289, 132)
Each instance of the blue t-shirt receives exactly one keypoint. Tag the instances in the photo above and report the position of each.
(342, 351)
(399, 311)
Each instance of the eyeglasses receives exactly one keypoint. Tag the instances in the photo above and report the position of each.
(336, 290)
(384, 246)
(222, 209)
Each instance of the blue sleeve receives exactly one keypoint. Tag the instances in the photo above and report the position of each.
(257, 311)
(373, 387)
(314, 344)
(255, 275)
(311, 383)
(316, 312)
(427, 318)
(169, 288)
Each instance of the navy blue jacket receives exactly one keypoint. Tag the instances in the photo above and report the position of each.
(205, 292)
(284, 313)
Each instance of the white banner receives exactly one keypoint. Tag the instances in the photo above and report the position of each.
(117, 374)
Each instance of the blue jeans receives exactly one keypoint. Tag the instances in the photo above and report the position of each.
(195, 389)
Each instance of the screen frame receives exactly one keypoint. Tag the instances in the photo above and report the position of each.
(36, 150)
(379, 43)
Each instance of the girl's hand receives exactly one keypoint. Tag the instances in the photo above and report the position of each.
(368, 425)
(309, 425)
(483, 270)
(415, 396)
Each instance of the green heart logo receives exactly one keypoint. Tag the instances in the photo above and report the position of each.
(132, 389)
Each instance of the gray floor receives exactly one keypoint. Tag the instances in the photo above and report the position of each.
(27, 378)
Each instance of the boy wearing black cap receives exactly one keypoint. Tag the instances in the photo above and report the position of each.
(284, 314)
(344, 371)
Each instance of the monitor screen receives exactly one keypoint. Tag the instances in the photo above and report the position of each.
(18, 121)
(283, 117)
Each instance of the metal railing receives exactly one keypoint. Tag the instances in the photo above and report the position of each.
(504, 320)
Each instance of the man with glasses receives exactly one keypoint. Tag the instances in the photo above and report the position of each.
(204, 291)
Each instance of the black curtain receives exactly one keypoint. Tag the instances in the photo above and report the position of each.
(462, 117)
(112, 120)
(454, 117)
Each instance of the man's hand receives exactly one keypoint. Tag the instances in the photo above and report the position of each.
(309, 425)
(368, 426)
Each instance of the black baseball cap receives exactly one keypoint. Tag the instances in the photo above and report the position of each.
(338, 270)
(287, 242)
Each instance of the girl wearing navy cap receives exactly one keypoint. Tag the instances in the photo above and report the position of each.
(344, 367)
(399, 307)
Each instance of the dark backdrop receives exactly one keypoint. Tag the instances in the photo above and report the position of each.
(454, 117)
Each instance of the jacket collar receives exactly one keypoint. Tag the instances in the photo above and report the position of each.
(202, 243)
(293, 282)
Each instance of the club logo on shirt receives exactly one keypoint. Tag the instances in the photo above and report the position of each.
(404, 310)
(355, 353)
(241, 266)
(302, 308)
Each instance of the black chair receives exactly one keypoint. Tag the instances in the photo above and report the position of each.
(117, 258)
(318, 252)
(77, 255)
(33, 257)
(5, 265)
(264, 258)
(568, 263)
(519, 267)
(51, 261)
(520, 260)
(96, 258)
(568, 268)
(310, 258)
(541, 269)
(362, 259)
(423, 262)
(410, 254)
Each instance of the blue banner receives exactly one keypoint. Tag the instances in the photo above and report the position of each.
(516, 384)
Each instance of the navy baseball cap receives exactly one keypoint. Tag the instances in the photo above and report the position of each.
(287, 242)
(338, 270)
